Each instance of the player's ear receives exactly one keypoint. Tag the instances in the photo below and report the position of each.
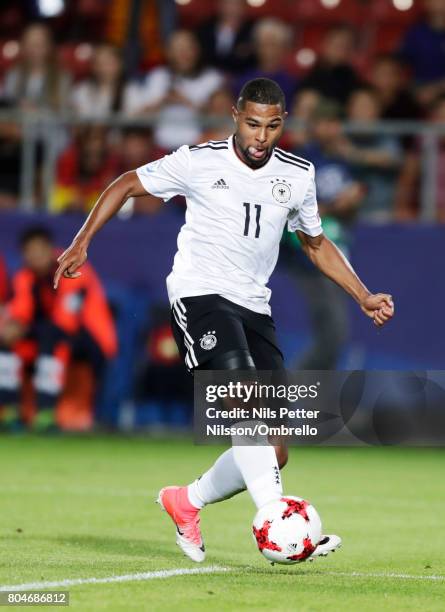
(235, 114)
(285, 115)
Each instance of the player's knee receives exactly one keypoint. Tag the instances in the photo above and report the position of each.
(282, 455)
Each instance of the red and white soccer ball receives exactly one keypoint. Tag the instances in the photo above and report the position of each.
(287, 530)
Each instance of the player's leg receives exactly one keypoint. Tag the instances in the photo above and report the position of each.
(203, 330)
(263, 346)
(253, 466)
(224, 479)
(213, 320)
(256, 460)
(260, 333)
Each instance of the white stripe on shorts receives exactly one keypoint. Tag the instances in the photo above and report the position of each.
(182, 326)
(181, 305)
(190, 358)
(181, 317)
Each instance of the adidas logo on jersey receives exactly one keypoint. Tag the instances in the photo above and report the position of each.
(221, 184)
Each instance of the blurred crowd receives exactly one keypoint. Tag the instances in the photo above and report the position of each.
(173, 72)
(195, 68)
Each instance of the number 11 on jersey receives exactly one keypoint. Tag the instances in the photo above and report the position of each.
(247, 221)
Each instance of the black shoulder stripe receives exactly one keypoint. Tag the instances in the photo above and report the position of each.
(293, 157)
(200, 148)
(210, 143)
(291, 162)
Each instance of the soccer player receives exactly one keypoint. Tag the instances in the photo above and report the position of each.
(240, 194)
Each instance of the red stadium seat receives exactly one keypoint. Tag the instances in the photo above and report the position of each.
(281, 9)
(194, 12)
(384, 11)
(312, 36)
(314, 11)
(387, 38)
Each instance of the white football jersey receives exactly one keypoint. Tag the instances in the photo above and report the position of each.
(234, 220)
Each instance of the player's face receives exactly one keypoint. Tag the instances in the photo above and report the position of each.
(38, 255)
(258, 129)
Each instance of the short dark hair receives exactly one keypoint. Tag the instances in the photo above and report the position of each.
(35, 231)
(261, 91)
(145, 132)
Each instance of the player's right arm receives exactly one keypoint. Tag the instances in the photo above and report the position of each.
(163, 178)
(109, 203)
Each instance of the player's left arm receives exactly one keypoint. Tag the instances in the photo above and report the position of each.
(330, 260)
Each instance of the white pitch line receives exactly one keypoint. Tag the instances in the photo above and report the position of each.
(212, 569)
(30, 586)
(383, 575)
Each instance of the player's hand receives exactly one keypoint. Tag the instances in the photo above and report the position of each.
(378, 307)
(69, 262)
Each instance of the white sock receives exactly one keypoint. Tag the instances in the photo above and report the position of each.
(259, 467)
(221, 481)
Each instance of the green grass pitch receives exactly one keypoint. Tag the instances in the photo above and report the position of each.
(84, 507)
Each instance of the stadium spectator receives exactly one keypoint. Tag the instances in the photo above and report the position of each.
(338, 193)
(407, 198)
(226, 37)
(423, 48)
(219, 109)
(135, 146)
(390, 81)
(333, 76)
(305, 103)
(136, 149)
(105, 91)
(37, 82)
(272, 40)
(179, 91)
(83, 171)
(44, 329)
(339, 196)
(375, 158)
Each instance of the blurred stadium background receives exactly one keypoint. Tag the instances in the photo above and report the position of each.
(93, 88)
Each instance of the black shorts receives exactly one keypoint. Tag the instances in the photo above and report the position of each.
(206, 326)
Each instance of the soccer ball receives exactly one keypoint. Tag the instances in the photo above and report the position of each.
(287, 530)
